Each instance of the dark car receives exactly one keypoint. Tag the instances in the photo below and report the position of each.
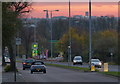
(38, 66)
(27, 63)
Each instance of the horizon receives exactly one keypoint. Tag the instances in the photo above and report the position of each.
(98, 9)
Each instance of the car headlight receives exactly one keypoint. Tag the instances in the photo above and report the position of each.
(100, 63)
(74, 61)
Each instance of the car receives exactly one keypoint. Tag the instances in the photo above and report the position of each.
(38, 66)
(96, 63)
(77, 60)
(27, 63)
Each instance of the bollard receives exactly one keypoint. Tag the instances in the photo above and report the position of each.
(105, 67)
(92, 67)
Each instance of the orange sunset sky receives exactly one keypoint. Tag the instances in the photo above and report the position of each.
(98, 9)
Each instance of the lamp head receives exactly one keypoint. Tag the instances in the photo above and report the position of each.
(45, 10)
(56, 10)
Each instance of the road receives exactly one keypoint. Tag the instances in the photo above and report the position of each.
(55, 74)
(85, 65)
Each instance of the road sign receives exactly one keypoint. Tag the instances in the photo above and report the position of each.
(34, 52)
(35, 45)
(18, 41)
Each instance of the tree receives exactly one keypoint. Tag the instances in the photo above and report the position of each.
(103, 43)
(11, 24)
(79, 43)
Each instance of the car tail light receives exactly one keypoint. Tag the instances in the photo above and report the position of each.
(24, 63)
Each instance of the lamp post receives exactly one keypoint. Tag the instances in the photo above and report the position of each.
(90, 34)
(50, 27)
(69, 46)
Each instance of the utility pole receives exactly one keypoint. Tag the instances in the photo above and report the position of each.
(51, 33)
(90, 34)
(69, 46)
(15, 61)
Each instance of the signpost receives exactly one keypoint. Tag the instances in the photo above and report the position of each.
(18, 42)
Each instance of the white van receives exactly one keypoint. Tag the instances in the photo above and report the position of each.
(77, 60)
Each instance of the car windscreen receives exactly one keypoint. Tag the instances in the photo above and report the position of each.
(77, 58)
(38, 63)
(95, 61)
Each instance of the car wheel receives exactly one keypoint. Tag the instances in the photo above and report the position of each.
(81, 63)
(23, 68)
(31, 72)
(44, 71)
(73, 63)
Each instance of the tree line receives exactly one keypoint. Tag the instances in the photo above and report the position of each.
(104, 37)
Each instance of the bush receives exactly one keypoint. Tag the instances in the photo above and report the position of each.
(7, 68)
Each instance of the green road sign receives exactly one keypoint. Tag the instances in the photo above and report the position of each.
(34, 52)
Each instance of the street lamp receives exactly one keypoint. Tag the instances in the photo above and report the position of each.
(50, 26)
(47, 16)
(69, 33)
(90, 34)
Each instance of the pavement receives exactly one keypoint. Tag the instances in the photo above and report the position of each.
(9, 76)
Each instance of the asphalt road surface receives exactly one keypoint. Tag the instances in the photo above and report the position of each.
(55, 74)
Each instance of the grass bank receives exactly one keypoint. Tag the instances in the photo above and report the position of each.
(116, 74)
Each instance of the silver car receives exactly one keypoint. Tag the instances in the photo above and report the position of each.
(38, 66)
(77, 60)
(96, 63)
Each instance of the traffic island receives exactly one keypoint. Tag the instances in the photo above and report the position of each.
(71, 67)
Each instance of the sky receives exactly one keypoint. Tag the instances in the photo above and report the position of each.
(77, 8)
(59, 0)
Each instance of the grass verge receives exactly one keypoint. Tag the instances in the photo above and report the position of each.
(70, 67)
(116, 74)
